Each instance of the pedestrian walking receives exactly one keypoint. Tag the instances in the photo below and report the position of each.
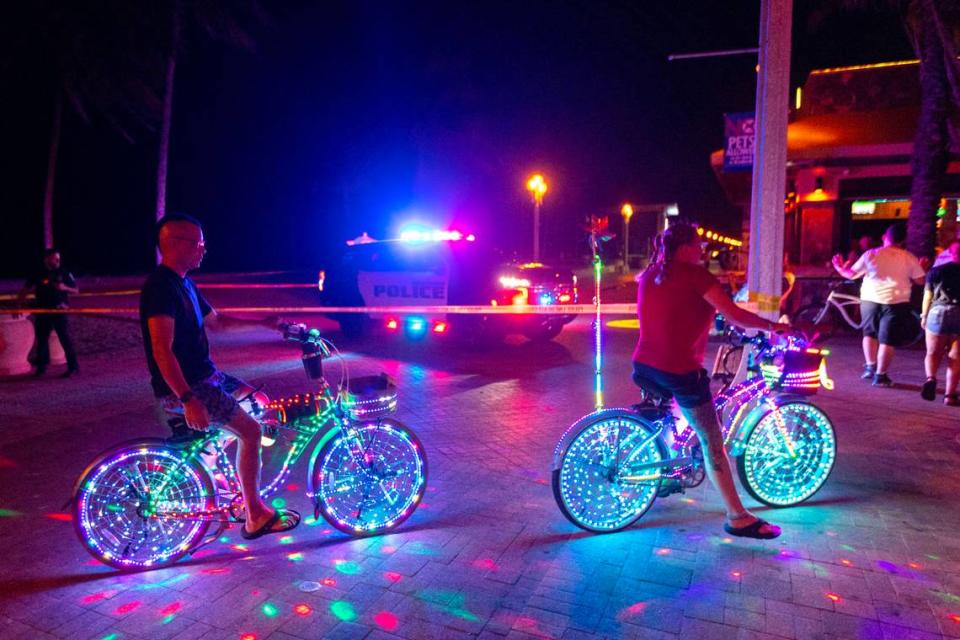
(888, 274)
(940, 318)
(51, 285)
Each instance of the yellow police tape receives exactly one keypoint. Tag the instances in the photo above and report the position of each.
(553, 310)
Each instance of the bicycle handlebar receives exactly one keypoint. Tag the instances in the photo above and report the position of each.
(306, 337)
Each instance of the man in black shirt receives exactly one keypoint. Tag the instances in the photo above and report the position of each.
(173, 318)
(52, 284)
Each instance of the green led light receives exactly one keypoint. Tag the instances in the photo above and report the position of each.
(270, 610)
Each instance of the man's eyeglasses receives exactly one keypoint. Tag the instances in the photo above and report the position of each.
(200, 244)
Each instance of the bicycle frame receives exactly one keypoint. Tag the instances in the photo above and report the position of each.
(327, 421)
(840, 301)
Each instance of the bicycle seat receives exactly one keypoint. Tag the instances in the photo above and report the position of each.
(654, 392)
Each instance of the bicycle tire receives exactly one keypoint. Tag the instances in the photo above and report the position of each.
(824, 329)
(761, 466)
(584, 496)
(110, 515)
(343, 486)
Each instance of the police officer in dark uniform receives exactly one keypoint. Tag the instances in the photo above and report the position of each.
(52, 285)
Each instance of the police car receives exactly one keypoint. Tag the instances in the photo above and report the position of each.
(428, 268)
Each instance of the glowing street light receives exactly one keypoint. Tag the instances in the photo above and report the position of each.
(537, 186)
(627, 212)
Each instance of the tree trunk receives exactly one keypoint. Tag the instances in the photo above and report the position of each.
(163, 152)
(51, 172)
(930, 147)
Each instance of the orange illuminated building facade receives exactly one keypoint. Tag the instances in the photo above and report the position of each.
(850, 141)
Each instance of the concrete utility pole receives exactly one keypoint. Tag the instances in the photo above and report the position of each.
(765, 265)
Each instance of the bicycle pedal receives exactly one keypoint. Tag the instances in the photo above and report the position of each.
(669, 488)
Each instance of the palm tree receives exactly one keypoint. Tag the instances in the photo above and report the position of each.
(226, 22)
(81, 51)
(933, 27)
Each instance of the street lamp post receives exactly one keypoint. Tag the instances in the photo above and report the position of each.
(627, 212)
(537, 186)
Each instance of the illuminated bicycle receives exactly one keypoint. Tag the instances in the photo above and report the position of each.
(611, 465)
(146, 503)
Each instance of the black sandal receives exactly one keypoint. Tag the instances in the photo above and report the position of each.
(929, 389)
(267, 528)
(751, 530)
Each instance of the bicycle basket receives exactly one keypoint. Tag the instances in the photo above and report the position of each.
(369, 397)
(798, 371)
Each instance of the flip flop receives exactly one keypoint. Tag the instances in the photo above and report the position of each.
(929, 389)
(267, 528)
(751, 530)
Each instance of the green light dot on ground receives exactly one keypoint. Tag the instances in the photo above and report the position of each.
(270, 610)
(279, 503)
(343, 610)
(348, 567)
(8, 513)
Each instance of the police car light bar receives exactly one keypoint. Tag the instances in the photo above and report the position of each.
(434, 235)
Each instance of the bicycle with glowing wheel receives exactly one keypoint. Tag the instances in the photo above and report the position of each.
(611, 465)
(149, 502)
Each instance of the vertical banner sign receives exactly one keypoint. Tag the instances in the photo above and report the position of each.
(738, 133)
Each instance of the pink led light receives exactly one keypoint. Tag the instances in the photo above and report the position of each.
(171, 609)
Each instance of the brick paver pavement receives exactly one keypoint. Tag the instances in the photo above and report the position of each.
(875, 555)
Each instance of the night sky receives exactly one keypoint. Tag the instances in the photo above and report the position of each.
(356, 116)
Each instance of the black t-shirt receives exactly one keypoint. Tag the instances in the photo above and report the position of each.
(165, 293)
(46, 281)
(944, 282)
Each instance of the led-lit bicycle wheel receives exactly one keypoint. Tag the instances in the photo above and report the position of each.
(603, 483)
(788, 455)
(370, 477)
(134, 506)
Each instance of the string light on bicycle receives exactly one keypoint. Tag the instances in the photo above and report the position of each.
(611, 465)
(147, 503)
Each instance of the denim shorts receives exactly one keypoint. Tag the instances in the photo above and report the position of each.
(216, 395)
(891, 324)
(944, 320)
(690, 389)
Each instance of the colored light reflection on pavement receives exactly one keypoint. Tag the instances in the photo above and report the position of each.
(302, 609)
(451, 602)
(833, 597)
(392, 576)
(328, 582)
(9, 513)
(270, 610)
(386, 621)
(60, 517)
(295, 557)
(348, 567)
(127, 608)
(343, 610)
(633, 610)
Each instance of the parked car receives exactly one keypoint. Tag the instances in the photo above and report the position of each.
(433, 268)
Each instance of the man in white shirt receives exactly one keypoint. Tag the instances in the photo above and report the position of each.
(888, 274)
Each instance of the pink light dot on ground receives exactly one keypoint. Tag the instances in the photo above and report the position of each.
(61, 517)
(386, 621)
(127, 608)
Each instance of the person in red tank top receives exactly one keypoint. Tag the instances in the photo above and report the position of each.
(677, 298)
